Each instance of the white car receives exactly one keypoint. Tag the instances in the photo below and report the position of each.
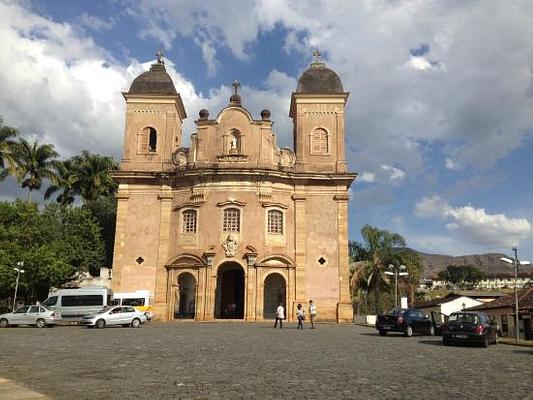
(120, 315)
(30, 315)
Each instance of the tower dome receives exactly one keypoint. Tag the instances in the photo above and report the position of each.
(156, 81)
(319, 79)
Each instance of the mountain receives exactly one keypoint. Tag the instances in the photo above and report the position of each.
(489, 263)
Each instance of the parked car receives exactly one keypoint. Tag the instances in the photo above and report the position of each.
(470, 327)
(406, 320)
(120, 315)
(30, 315)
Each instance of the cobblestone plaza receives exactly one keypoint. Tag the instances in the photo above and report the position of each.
(248, 360)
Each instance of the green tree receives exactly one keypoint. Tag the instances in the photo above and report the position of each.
(54, 244)
(66, 181)
(463, 276)
(104, 212)
(7, 133)
(93, 179)
(31, 163)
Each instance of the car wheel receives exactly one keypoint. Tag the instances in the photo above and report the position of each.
(408, 331)
(136, 322)
(100, 324)
(40, 323)
(4, 323)
(383, 333)
(485, 342)
(431, 330)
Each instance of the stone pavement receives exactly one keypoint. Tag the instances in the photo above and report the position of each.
(246, 360)
(11, 391)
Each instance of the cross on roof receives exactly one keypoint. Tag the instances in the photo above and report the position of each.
(159, 54)
(236, 85)
(316, 54)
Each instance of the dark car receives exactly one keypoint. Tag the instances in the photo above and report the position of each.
(470, 327)
(405, 320)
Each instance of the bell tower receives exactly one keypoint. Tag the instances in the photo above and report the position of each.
(317, 111)
(154, 118)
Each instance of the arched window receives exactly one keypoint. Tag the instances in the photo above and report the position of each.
(188, 223)
(232, 220)
(147, 141)
(152, 141)
(319, 141)
(275, 222)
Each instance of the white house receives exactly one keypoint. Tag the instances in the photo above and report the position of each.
(446, 305)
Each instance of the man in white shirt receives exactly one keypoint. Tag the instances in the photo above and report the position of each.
(312, 313)
(280, 316)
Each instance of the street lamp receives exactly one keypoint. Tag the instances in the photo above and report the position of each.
(396, 272)
(19, 270)
(516, 263)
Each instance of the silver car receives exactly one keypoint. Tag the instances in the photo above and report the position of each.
(120, 315)
(30, 315)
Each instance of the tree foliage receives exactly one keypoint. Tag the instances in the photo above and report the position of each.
(371, 257)
(54, 244)
(464, 276)
(7, 134)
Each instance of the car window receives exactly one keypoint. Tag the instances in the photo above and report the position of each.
(129, 309)
(34, 309)
(468, 318)
(51, 301)
(116, 310)
(22, 310)
(42, 309)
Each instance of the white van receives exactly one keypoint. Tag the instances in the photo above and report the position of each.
(140, 299)
(73, 304)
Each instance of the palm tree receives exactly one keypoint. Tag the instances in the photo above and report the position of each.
(377, 250)
(92, 172)
(67, 182)
(6, 145)
(31, 163)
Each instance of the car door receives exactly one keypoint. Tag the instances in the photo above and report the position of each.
(127, 314)
(32, 315)
(19, 316)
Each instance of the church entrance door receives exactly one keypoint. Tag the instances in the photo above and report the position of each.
(186, 297)
(230, 292)
(275, 290)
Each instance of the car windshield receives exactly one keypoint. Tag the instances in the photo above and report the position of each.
(397, 311)
(103, 309)
(469, 318)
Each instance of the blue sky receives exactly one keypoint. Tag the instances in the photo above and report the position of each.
(439, 121)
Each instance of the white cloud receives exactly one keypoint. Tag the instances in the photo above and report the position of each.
(450, 164)
(95, 23)
(476, 225)
(395, 174)
(367, 177)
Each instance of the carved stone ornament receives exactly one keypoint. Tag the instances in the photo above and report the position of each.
(179, 158)
(230, 246)
(286, 157)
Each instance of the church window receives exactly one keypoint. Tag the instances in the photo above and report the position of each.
(152, 142)
(189, 221)
(232, 221)
(319, 142)
(275, 222)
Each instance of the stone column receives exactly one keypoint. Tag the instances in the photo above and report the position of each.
(344, 308)
(300, 236)
(161, 275)
(120, 236)
(341, 153)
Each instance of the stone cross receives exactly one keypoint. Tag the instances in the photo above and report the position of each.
(159, 54)
(316, 54)
(236, 85)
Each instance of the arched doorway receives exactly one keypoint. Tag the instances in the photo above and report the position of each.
(186, 297)
(229, 293)
(274, 294)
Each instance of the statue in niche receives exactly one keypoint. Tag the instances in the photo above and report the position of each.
(233, 144)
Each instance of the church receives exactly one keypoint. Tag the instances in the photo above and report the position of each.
(233, 225)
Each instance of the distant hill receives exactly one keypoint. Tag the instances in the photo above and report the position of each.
(490, 263)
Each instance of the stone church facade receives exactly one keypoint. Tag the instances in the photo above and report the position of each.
(233, 225)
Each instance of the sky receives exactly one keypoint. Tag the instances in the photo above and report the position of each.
(439, 122)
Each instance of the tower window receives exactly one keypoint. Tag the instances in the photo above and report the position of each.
(232, 222)
(189, 221)
(275, 222)
(152, 142)
(319, 142)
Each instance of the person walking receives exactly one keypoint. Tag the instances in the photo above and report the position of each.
(312, 313)
(300, 314)
(280, 316)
